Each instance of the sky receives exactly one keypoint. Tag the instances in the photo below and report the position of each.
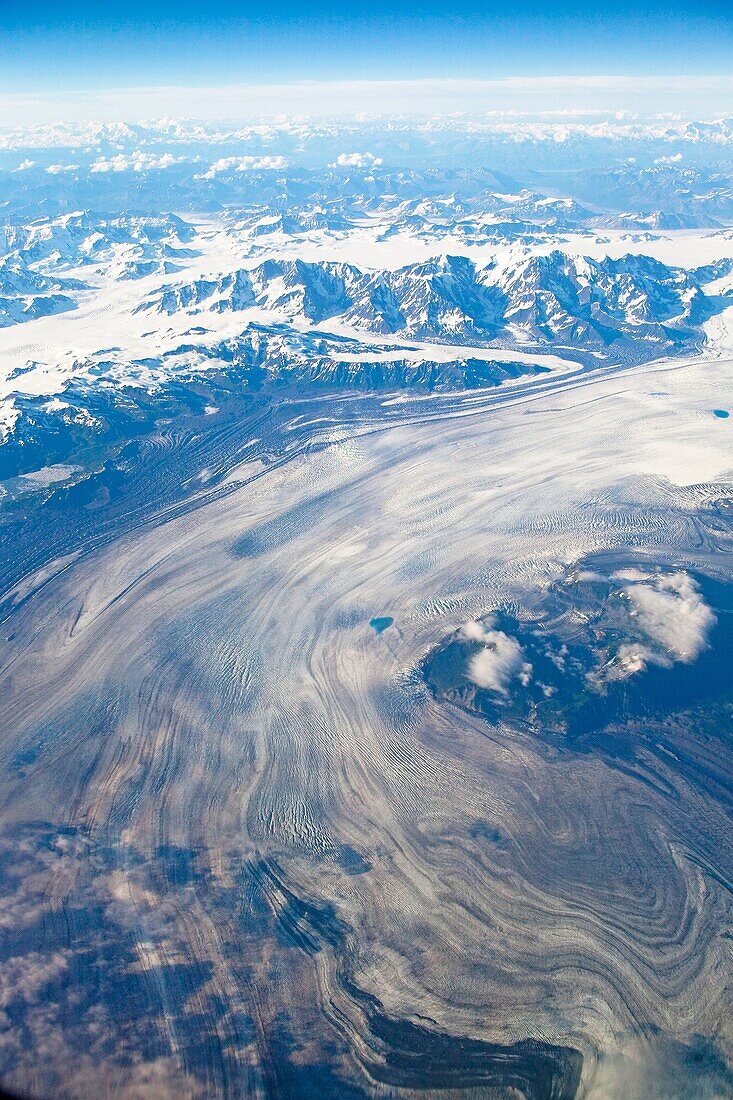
(83, 46)
(94, 43)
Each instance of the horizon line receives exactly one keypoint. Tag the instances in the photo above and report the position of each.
(686, 95)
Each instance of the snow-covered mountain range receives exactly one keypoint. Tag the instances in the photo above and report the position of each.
(357, 276)
(551, 298)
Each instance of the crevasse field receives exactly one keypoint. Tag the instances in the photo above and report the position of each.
(366, 510)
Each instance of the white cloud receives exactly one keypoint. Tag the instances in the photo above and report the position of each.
(57, 169)
(477, 632)
(23, 977)
(632, 574)
(671, 611)
(499, 662)
(693, 96)
(675, 158)
(356, 160)
(25, 165)
(135, 162)
(631, 657)
(243, 164)
(671, 614)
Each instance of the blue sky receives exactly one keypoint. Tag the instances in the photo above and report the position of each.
(83, 44)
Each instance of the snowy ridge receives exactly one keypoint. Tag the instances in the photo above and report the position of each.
(541, 299)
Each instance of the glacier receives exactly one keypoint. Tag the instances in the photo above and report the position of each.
(366, 509)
